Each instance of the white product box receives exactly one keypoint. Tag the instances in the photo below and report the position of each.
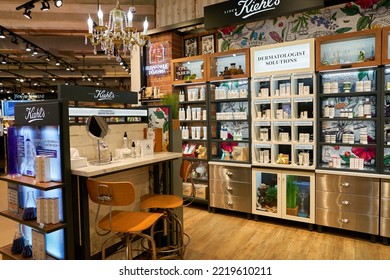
(147, 147)
(78, 162)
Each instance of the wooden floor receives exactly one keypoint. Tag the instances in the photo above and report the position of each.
(227, 235)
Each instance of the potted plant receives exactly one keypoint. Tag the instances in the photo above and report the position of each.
(172, 99)
(271, 198)
(291, 196)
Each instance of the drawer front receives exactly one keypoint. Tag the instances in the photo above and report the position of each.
(385, 208)
(230, 173)
(230, 188)
(348, 184)
(231, 202)
(348, 202)
(348, 221)
(385, 227)
(385, 188)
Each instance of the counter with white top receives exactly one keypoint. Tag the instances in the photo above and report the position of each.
(122, 164)
(155, 171)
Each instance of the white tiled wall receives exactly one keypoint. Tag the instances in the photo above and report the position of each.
(87, 146)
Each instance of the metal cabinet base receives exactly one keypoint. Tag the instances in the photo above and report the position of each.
(348, 202)
(347, 220)
(230, 187)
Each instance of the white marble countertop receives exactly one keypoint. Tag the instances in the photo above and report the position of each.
(123, 164)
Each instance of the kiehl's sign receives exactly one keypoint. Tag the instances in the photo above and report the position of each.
(96, 94)
(240, 11)
(38, 113)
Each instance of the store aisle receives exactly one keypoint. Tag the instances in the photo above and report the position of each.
(228, 235)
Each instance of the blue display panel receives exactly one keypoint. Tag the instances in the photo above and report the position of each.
(34, 141)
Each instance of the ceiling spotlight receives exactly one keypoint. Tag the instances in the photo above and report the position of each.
(53, 78)
(4, 61)
(45, 5)
(14, 40)
(68, 68)
(48, 58)
(58, 3)
(2, 35)
(28, 48)
(58, 63)
(35, 51)
(27, 13)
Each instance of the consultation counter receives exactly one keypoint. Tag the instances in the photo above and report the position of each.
(158, 173)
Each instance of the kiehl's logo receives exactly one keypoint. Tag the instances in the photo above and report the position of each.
(252, 7)
(34, 114)
(101, 94)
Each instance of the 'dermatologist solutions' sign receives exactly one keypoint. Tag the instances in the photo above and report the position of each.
(281, 59)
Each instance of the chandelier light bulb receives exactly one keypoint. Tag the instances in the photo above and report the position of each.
(118, 36)
(146, 25)
(130, 17)
(90, 24)
(100, 16)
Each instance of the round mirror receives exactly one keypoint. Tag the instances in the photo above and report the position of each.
(97, 127)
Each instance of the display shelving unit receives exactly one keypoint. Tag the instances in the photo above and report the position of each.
(189, 81)
(349, 144)
(230, 108)
(349, 78)
(284, 89)
(384, 229)
(228, 79)
(51, 134)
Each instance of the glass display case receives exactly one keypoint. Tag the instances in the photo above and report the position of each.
(229, 109)
(349, 50)
(230, 121)
(385, 45)
(193, 114)
(386, 121)
(232, 64)
(188, 70)
(284, 194)
(348, 119)
(386, 99)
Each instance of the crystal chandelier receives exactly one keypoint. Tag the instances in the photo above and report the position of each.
(117, 34)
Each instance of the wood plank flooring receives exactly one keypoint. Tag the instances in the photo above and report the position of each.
(227, 235)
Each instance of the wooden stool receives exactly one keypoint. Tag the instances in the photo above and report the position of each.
(126, 224)
(166, 204)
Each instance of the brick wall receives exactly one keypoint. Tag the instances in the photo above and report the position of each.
(175, 50)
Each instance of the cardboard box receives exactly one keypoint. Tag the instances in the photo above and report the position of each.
(201, 190)
(186, 189)
(240, 153)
